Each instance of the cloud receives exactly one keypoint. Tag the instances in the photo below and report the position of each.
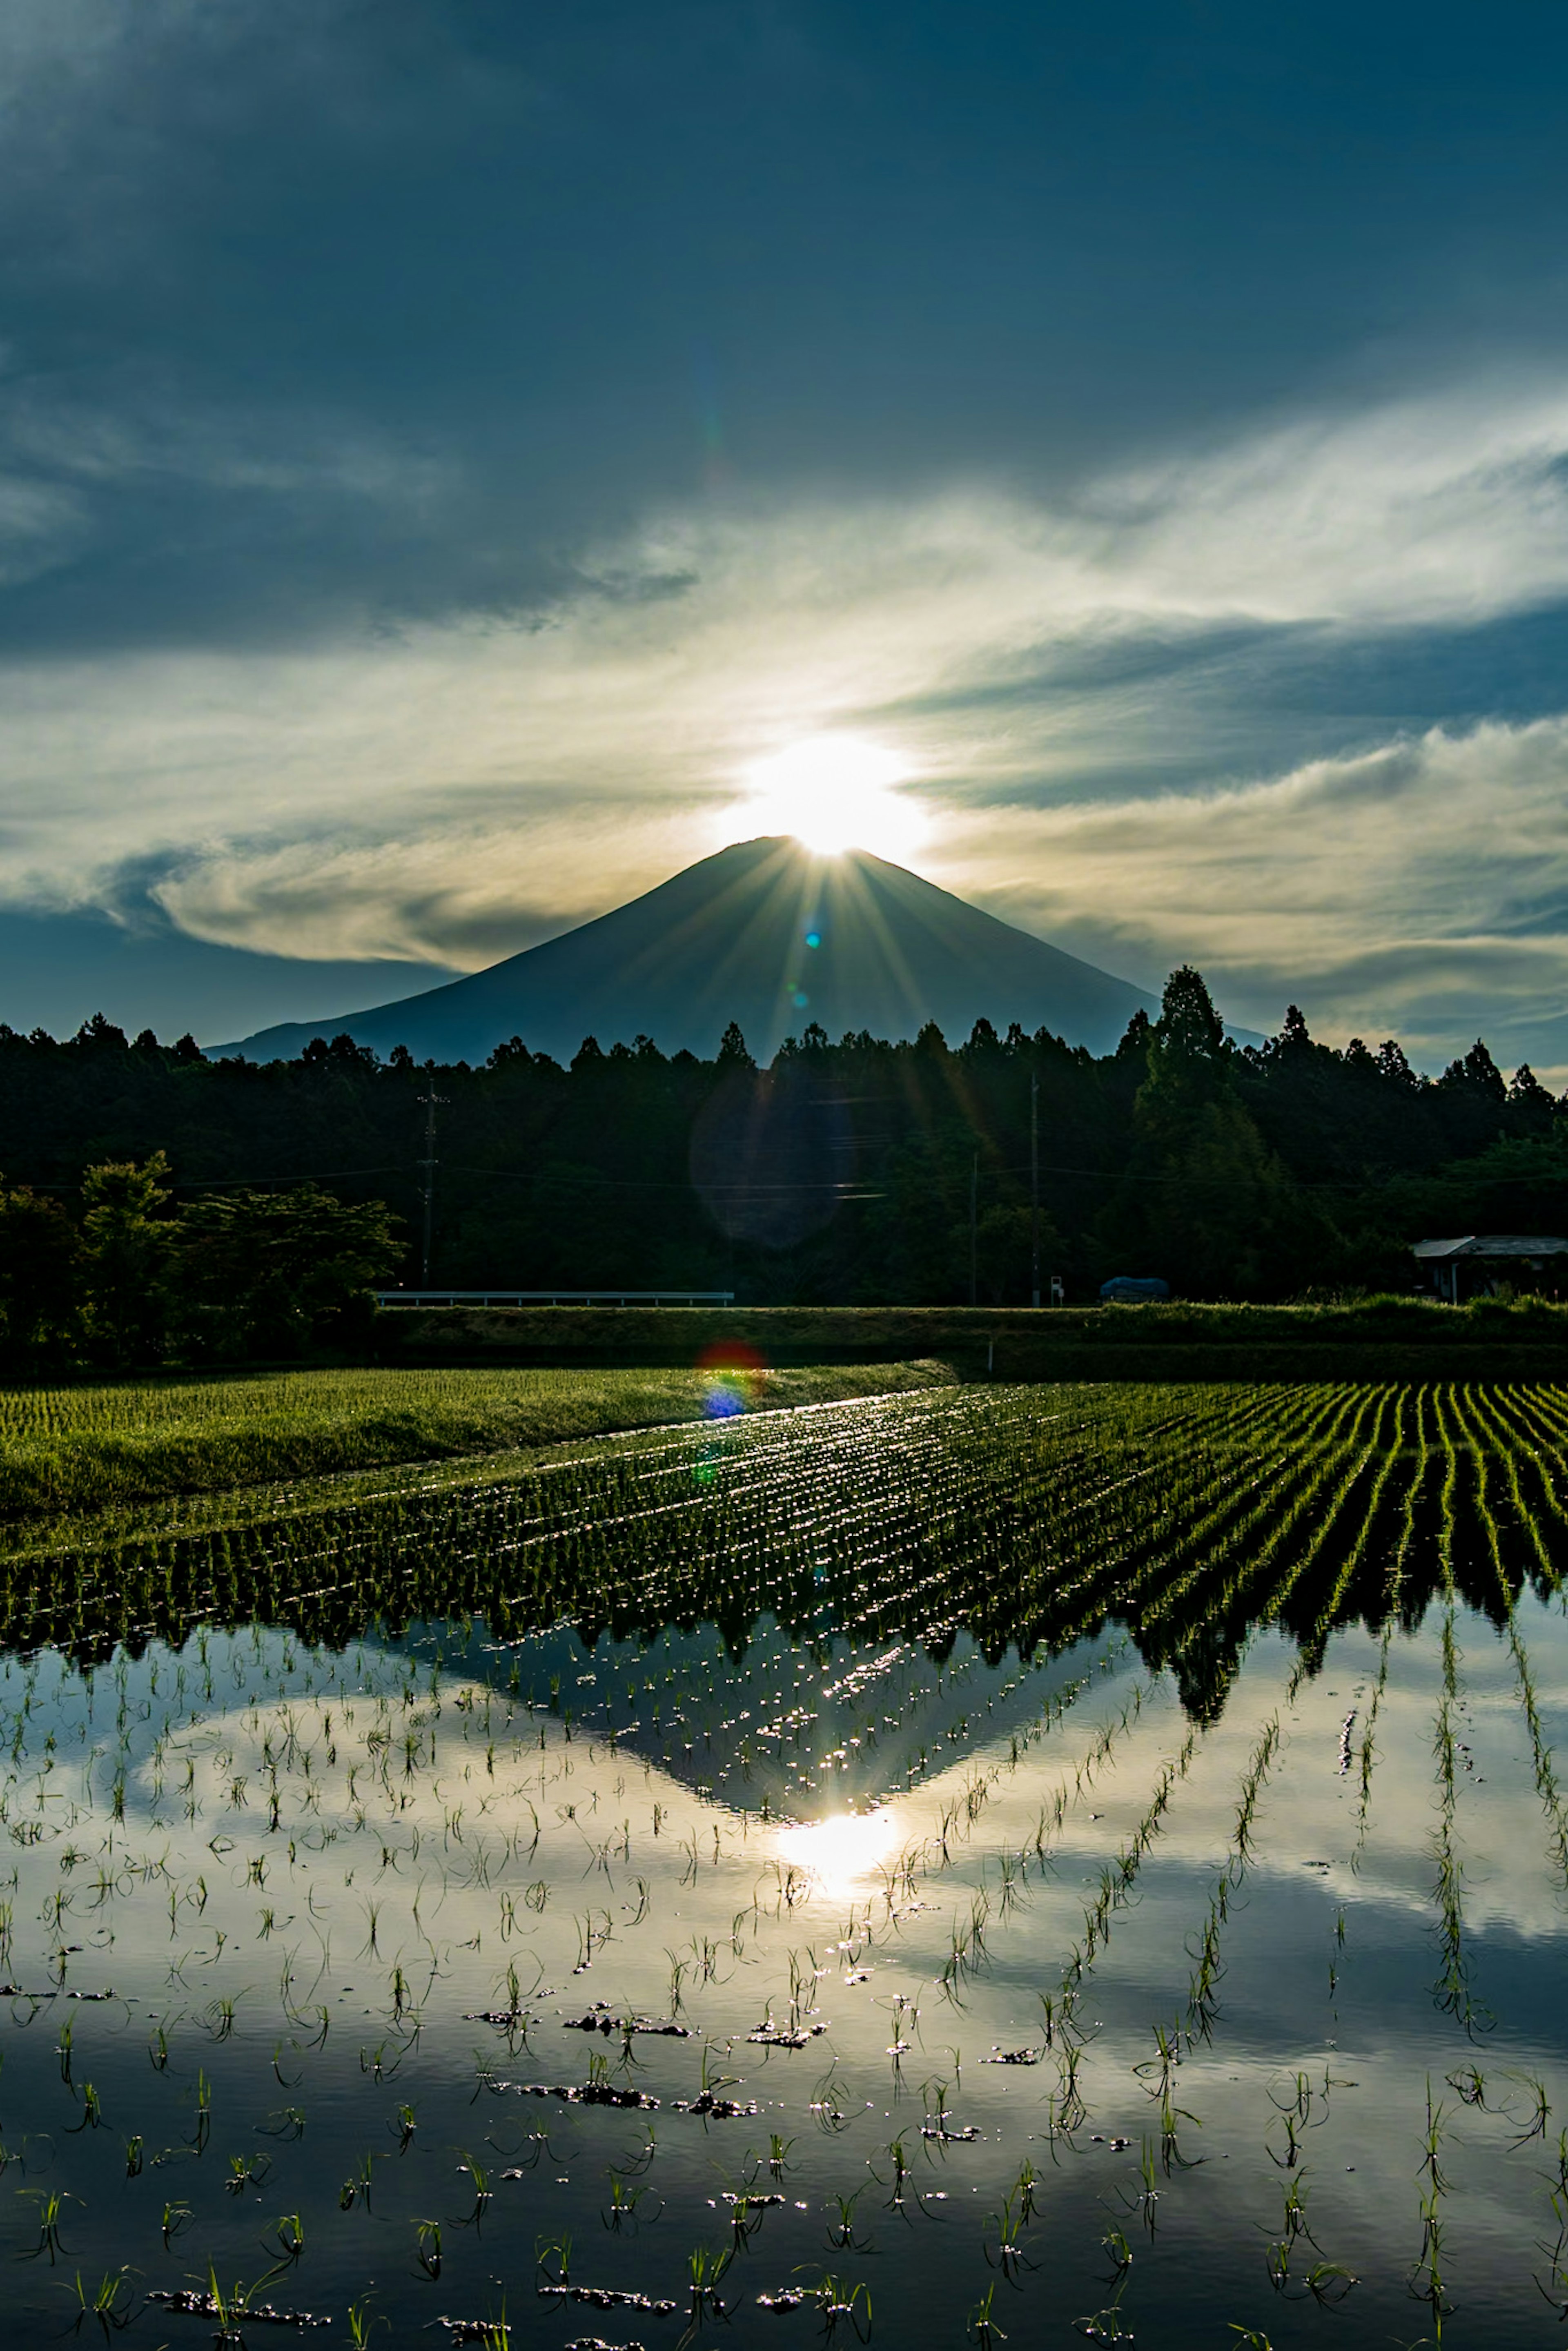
(1082, 689)
(463, 898)
(1420, 888)
(65, 64)
(42, 524)
(1448, 508)
(152, 436)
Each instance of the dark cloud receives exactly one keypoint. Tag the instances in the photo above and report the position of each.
(568, 262)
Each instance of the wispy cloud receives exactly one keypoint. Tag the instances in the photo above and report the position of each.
(1448, 508)
(43, 524)
(464, 896)
(1401, 889)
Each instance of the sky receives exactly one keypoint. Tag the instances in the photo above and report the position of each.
(460, 463)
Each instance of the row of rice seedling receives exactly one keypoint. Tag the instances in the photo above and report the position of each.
(584, 1508)
(580, 1514)
(505, 1401)
(110, 1445)
(974, 1521)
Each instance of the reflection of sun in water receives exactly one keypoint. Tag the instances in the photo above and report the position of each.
(841, 1853)
(834, 792)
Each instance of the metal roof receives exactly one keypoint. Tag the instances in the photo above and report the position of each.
(1495, 1245)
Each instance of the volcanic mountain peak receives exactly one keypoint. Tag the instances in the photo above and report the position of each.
(763, 934)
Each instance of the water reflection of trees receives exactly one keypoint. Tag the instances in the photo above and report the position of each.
(1027, 1520)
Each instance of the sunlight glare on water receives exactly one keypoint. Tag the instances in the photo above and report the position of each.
(841, 1855)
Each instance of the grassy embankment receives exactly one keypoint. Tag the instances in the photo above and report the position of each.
(111, 1449)
(1380, 1338)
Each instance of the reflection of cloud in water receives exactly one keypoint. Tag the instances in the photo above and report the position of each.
(841, 1853)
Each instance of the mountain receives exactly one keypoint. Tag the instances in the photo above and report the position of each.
(763, 934)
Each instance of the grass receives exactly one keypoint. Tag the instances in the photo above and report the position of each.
(113, 1445)
(1382, 1338)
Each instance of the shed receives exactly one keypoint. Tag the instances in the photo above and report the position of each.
(1479, 1261)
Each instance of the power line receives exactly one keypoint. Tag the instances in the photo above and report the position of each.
(229, 1183)
(842, 1187)
(1034, 1181)
(225, 1183)
(654, 1183)
(433, 1102)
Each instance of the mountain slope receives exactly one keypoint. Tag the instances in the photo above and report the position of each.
(763, 934)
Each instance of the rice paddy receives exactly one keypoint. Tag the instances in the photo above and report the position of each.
(1033, 1864)
(110, 1445)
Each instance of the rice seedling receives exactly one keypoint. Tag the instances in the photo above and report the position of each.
(289, 2233)
(1007, 2254)
(842, 2232)
(49, 2206)
(1533, 2123)
(705, 2272)
(982, 2326)
(111, 2304)
(1427, 2278)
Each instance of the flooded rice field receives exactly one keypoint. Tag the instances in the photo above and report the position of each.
(1026, 1864)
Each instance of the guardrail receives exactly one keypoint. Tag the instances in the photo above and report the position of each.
(553, 1297)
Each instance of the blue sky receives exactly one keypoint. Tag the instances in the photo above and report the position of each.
(446, 448)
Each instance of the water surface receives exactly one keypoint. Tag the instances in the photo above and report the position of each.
(1106, 1850)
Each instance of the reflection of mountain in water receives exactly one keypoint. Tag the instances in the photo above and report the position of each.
(789, 1726)
(851, 1563)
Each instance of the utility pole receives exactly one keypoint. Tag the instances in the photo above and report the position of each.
(1034, 1178)
(431, 1102)
(975, 1230)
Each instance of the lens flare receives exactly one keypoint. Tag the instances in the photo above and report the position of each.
(724, 1397)
(732, 1378)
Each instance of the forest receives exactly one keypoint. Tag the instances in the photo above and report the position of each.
(860, 1171)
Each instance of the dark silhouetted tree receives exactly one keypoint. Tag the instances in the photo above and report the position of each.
(40, 1254)
(1206, 1203)
(127, 1240)
(273, 1274)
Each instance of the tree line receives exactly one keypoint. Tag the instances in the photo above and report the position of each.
(133, 1277)
(248, 1204)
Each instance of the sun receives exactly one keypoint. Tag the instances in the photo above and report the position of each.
(833, 793)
